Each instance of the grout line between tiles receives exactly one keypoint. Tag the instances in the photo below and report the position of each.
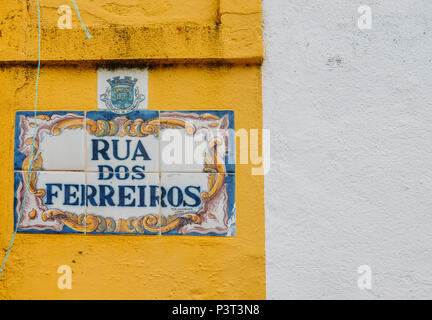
(130, 172)
(85, 172)
(160, 177)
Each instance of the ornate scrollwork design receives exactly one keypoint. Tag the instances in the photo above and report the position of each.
(152, 223)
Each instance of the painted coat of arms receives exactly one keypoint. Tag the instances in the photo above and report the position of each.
(122, 96)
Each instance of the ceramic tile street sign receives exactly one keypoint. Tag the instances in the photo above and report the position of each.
(100, 172)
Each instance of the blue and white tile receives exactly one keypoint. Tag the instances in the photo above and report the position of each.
(132, 81)
(121, 143)
(59, 143)
(54, 201)
(123, 203)
(198, 204)
(197, 141)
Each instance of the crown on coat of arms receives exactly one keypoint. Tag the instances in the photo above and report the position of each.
(126, 81)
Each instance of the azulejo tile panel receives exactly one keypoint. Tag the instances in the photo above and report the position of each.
(99, 172)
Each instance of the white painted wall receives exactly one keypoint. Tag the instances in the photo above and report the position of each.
(350, 183)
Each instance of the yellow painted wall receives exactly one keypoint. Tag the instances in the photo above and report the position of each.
(216, 76)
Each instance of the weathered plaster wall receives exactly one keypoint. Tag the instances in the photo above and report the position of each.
(137, 267)
(213, 30)
(351, 172)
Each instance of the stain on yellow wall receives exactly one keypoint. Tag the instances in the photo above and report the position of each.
(136, 267)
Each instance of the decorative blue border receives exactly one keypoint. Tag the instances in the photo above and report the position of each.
(145, 115)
